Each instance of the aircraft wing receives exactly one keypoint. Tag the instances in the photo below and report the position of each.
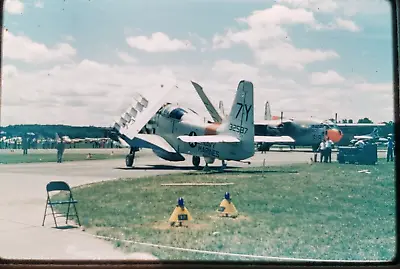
(157, 141)
(208, 139)
(149, 141)
(272, 122)
(140, 115)
(360, 124)
(273, 139)
(210, 107)
(366, 137)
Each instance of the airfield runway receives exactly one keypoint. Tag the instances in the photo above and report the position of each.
(23, 197)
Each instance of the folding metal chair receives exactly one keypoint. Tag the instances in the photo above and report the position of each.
(60, 186)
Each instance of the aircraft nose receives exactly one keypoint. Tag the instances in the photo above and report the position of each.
(335, 135)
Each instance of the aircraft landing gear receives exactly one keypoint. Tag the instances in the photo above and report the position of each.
(196, 161)
(206, 167)
(129, 159)
(223, 166)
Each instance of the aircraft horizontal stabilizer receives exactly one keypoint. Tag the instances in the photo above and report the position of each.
(273, 139)
(209, 139)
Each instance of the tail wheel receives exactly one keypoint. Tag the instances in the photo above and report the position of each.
(129, 160)
(196, 161)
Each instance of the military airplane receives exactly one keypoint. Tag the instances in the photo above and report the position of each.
(172, 130)
(372, 137)
(304, 132)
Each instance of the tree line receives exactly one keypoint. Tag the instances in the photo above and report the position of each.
(49, 131)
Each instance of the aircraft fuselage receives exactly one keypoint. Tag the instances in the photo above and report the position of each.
(172, 121)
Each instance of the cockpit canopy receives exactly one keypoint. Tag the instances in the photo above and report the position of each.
(177, 113)
(171, 111)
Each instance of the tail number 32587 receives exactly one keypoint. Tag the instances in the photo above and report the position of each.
(238, 129)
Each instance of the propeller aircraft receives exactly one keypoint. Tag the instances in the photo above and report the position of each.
(173, 131)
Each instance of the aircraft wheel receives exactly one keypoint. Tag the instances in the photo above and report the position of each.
(196, 161)
(129, 160)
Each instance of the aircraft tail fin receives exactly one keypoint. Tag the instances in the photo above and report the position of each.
(267, 112)
(221, 108)
(375, 132)
(240, 121)
(58, 138)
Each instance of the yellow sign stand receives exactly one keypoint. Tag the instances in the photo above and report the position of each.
(180, 216)
(227, 208)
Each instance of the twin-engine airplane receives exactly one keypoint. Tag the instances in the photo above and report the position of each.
(172, 131)
(304, 132)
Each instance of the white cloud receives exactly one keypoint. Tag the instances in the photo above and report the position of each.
(279, 15)
(9, 71)
(374, 87)
(264, 26)
(286, 56)
(14, 6)
(126, 57)
(24, 49)
(99, 93)
(325, 78)
(326, 6)
(270, 41)
(39, 4)
(347, 25)
(158, 42)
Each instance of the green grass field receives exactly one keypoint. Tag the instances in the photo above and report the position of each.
(320, 211)
(52, 157)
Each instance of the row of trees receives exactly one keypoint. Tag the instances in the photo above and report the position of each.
(364, 120)
(49, 131)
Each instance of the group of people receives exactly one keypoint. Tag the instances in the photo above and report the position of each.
(325, 150)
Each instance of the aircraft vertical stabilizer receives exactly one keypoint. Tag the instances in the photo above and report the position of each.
(267, 113)
(221, 108)
(240, 122)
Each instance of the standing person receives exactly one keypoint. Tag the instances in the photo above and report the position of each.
(389, 152)
(60, 150)
(25, 144)
(322, 150)
(328, 149)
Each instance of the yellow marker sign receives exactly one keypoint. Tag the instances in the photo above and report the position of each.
(227, 208)
(180, 215)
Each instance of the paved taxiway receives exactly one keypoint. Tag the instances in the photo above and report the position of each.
(23, 195)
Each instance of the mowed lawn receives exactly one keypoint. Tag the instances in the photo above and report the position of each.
(18, 157)
(319, 211)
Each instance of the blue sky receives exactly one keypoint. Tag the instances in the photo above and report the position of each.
(345, 49)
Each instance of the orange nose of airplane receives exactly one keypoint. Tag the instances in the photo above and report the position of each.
(335, 135)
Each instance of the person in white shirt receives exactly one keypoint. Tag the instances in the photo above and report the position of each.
(322, 150)
(328, 150)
